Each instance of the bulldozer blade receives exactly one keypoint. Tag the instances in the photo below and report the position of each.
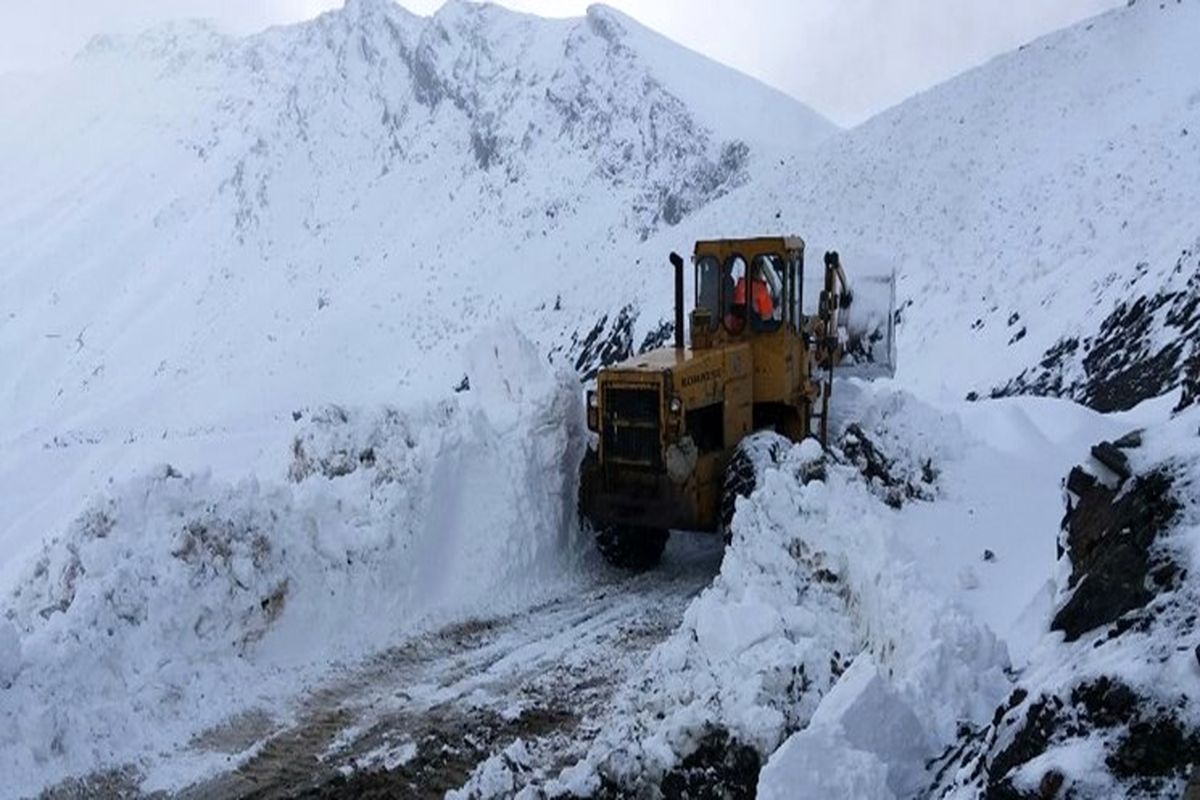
(867, 327)
(870, 328)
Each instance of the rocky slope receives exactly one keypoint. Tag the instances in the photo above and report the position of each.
(1104, 709)
(1040, 211)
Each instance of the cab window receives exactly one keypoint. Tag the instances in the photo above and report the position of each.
(733, 294)
(708, 288)
(766, 295)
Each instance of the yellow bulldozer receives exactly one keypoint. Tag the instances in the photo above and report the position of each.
(670, 422)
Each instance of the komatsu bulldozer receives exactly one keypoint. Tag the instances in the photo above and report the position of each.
(670, 421)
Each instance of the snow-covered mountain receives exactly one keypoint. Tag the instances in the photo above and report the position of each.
(1040, 211)
(270, 261)
(202, 234)
(402, 176)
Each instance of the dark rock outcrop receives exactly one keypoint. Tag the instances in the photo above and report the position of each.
(721, 768)
(1145, 347)
(1109, 536)
(1191, 385)
(889, 476)
(604, 344)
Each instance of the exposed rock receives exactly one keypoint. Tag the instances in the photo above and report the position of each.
(607, 344)
(721, 769)
(1191, 384)
(1042, 720)
(1052, 781)
(1108, 455)
(1150, 749)
(1145, 347)
(1192, 791)
(604, 344)
(1129, 441)
(889, 477)
(1125, 572)
(1109, 534)
(658, 337)
(1106, 702)
(1154, 748)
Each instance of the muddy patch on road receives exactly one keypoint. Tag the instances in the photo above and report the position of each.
(444, 755)
(523, 695)
(419, 719)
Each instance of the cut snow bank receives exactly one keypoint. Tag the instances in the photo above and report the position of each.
(176, 600)
(819, 622)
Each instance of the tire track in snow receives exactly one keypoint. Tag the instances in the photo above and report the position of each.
(417, 718)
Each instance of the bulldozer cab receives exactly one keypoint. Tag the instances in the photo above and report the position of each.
(747, 287)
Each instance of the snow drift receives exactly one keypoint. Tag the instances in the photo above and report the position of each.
(818, 597)
(175, 600)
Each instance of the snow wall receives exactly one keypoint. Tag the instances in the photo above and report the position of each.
(175, 600)
(820, 645)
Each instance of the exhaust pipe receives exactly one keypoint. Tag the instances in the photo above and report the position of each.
(677, 262)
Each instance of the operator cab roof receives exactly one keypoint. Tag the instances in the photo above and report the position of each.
(722, 248)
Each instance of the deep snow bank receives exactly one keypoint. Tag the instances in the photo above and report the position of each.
(175, 600)
(816, 592)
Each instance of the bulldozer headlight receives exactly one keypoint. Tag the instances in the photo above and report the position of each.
(676, 405)
(593, 400)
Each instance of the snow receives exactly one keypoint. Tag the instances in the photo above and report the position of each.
(1154, 659)
(172, 588)
(10, 653)
(719, 98)
(497, 777)
(202, 234)
(1003, 494)
(1033, 193)
(818, 576)
(268, 262)
(811, 764)
(389, 757)
(865, 602)
(863, 741)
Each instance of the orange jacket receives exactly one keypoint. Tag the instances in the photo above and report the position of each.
(764, 306)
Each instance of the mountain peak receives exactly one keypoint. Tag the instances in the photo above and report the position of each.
(607, 22)
(367, 8)
(173, 38)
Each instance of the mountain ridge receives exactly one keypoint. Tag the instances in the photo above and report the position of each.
(1021, 203)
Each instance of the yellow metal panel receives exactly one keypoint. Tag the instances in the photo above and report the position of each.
(739, 393)
(749, 248)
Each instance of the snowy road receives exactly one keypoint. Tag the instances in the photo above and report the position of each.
(419, 717)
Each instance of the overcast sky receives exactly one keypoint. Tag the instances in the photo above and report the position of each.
(847, 58)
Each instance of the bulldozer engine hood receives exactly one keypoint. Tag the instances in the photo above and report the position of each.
(696, 378)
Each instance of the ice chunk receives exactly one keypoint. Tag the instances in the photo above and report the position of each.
(863, 741)
(726, 629)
